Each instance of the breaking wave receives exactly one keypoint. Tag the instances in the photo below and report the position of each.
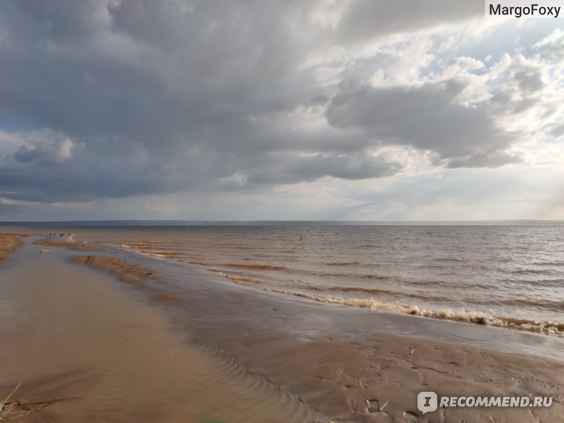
(546, 328)
(541, 327)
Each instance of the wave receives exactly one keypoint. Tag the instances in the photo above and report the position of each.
(542, 327)
(553, 305)
(162, 253)
(459, 265)
(530, 271)
(449, 260)
(262, 266)
(537, 282)
(342, 263)
(142, 243)
(241, 280)
(425, 296)
(548, 263)
(475, 317)
(350, 275)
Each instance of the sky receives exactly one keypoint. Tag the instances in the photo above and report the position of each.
(383, 110)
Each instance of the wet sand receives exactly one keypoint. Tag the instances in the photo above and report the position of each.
(69, 332)
(343, 364)
(349, 365)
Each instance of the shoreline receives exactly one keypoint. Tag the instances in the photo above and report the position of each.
(349, 365)
(447, 314)
(139, 264)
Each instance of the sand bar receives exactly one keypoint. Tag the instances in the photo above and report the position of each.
(9, 243)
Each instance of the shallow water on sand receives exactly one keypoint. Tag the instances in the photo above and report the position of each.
(71, 332)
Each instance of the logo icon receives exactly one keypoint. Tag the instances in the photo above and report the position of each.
(426, 401)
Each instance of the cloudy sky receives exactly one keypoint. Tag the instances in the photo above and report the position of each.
(246, 110)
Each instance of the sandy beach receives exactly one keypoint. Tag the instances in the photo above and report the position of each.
(282, 358)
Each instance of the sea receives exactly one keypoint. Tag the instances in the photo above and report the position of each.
(507, 275)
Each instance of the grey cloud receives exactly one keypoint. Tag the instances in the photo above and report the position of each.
(171, 96)
(292, 168)
(55, 152)
(425, 117)
(557, 131)
(317, 100)
(505, 102)
(109, 172)
(368, 18)
(529, 80)
(485, 159)
(214, 62)
(179, 85)
(519, 88)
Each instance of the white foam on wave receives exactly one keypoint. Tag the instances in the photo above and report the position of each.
(543, 327)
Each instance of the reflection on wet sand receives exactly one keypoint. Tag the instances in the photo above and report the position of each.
(73, 333)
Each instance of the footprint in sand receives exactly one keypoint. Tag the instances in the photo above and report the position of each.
(410, 417)
(377, 415)
(373, 406)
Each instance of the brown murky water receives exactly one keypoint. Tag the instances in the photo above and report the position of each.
(67, 331)
(507, 276)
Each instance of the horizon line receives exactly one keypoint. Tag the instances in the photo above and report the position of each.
(266, 221)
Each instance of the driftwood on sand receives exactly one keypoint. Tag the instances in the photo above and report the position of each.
(12, 409)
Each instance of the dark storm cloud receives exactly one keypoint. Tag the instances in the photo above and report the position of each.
(424, 117)
(67, 182)
(163, 96)
(148, 70)
(286, 168)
